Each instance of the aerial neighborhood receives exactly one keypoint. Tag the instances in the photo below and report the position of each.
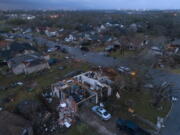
(108, 72)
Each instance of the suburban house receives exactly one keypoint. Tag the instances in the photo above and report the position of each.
(28, 63)
(51, 32)
(87, 87)
(174, 49)
(15, 49)
(23, 58)
(156, 50)
(3, 44)
(176, 43)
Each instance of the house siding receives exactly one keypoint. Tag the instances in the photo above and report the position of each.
(18, 69)
(29, 70)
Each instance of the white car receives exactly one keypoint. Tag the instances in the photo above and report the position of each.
(123, 69)
(100, 111)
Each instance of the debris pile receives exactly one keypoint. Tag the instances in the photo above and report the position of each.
(88, 86)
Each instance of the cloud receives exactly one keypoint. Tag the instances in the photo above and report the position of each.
(91, 4)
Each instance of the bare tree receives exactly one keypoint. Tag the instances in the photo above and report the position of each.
(161, 93)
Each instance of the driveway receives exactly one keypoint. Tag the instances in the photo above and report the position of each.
(103, 127)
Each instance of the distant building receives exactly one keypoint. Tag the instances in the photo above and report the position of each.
(176, 43)
(30, 17)
(54, 16)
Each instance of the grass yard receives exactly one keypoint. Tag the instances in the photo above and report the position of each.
(140, 103)
(177, 71)
(81, 129)
(98, 49)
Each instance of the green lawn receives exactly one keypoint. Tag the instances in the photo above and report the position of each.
(81, 129)
(98, 48)
(177, 71)
(141, 104)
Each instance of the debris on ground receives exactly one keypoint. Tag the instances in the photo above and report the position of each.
(160, 123)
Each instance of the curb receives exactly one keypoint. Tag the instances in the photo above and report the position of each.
(172, 105)
(167, 116)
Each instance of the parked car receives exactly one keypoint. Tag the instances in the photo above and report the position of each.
(3, 63)
(123, 69)
(58, 47)
(104, 54)
(130, 127)
(51, 50)
(100, 111)
(63, 50)
(83, 48)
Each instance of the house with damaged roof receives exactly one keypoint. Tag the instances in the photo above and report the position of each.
(28, 63)
(86, 87)
(24, 58)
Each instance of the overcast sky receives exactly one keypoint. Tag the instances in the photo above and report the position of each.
(89, 4)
